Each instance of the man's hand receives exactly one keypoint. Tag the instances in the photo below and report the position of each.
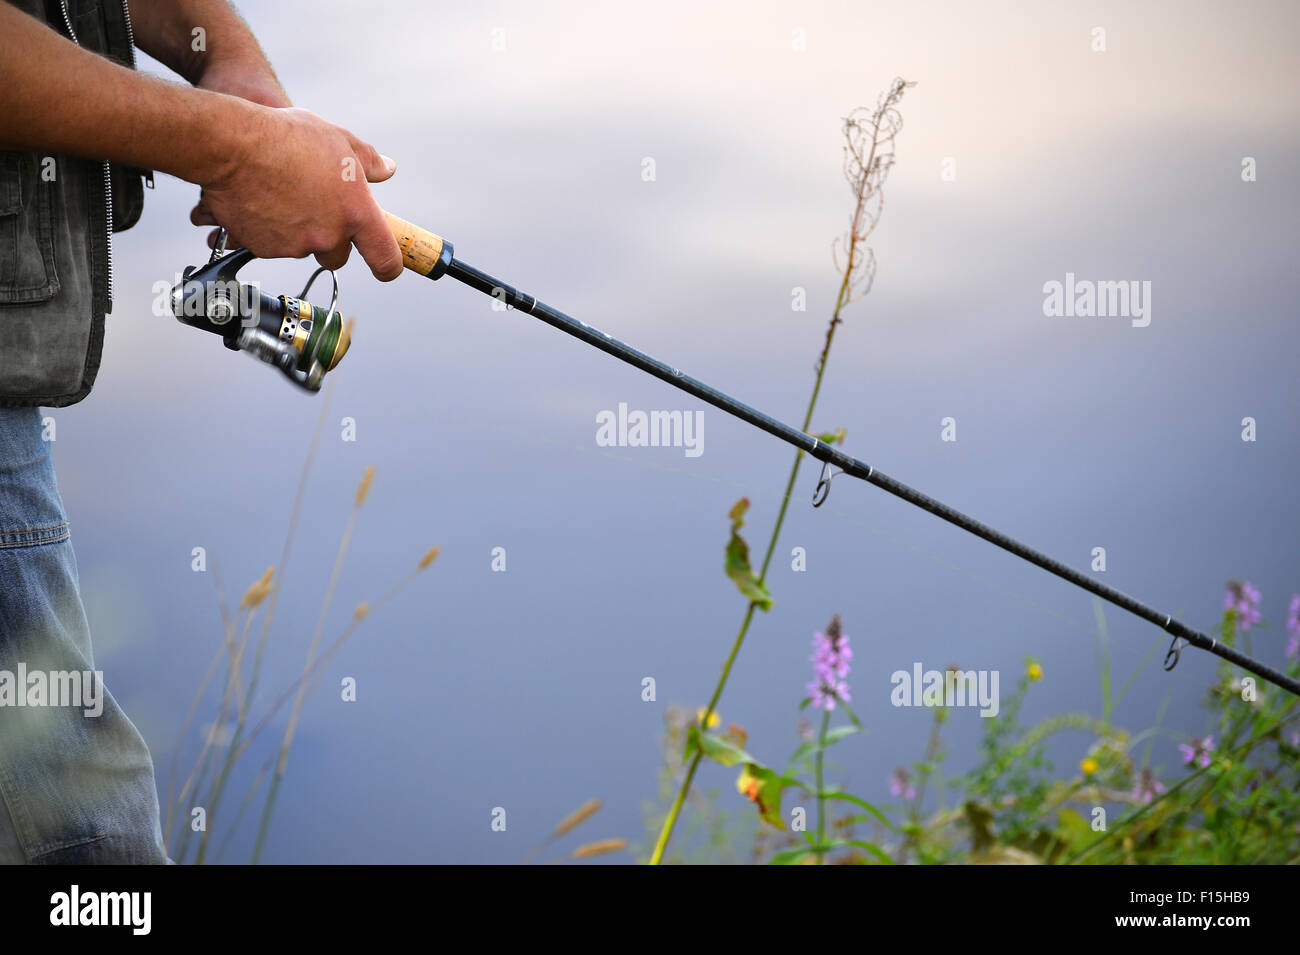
(283, 181)
(299, 186)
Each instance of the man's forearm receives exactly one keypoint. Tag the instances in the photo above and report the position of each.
(58, 98)
(209, 44)
(283, 182)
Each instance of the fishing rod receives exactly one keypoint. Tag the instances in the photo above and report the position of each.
(306, 341)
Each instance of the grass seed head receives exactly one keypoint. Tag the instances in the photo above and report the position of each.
(255, 594)
(603, 847)
(577, 817)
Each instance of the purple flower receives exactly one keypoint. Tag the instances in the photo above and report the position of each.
(1242, 601)
(824, 693)
(1148, 787)
(900, 784)
(1198, 751)
(830, 660)
(831, 655)
(1293, 627)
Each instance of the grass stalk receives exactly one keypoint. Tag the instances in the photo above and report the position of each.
(868, 159)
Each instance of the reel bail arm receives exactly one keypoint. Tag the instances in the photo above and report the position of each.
(303, 340)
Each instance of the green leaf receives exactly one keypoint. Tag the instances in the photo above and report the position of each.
(853, 716)
(836, 794)
(875, 850)
(737, 565)
(809, 747)
(833, 736)
(790, 856)
(692, 743)
(719, 750)
(806, 749)
(763, 788)
(1073, 829)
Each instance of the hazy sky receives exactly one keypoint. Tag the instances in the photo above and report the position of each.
(522, 689)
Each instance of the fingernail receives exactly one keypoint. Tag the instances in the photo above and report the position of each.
(392, 166)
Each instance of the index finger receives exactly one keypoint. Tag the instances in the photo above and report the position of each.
(375, 241)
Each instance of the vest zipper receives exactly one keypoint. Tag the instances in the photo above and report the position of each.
(130, 43)
(108, 173)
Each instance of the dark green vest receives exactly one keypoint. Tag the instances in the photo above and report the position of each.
(55, 242)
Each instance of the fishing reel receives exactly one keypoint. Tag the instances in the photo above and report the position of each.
(301, 339)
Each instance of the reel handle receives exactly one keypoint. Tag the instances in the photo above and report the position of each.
(422, 251)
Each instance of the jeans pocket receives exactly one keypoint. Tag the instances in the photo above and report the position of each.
(27, 272)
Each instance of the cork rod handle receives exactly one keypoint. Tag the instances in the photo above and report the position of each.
(422, 251)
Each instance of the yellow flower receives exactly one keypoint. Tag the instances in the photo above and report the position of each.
(1035, 672)
(714, 719)
(1089, 766)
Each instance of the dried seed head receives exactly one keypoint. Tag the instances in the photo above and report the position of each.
(577, 817)
(429, 557)
(363, 608)
(255, 594)
(364, 488)
(603, 847)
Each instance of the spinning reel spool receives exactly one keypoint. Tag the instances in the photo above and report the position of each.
(303, 340)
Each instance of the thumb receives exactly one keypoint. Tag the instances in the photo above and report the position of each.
(377, 167)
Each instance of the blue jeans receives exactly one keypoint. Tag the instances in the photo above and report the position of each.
(76, 780)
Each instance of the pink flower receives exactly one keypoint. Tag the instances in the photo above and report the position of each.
(900, 784)
(832, 655)
(830, 660)
(1198, 751)
(824, 693)
(1148, 787)
(1242, 601)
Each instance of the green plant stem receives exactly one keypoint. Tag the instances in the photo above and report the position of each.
(665, 833)
(821, 790)
(866, 184)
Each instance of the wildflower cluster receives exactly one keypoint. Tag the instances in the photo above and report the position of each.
(830, 660)
(1242, 601)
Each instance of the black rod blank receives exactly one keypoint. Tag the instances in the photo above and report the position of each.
(823, 452)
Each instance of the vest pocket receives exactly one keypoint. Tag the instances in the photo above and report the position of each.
(27, 272)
